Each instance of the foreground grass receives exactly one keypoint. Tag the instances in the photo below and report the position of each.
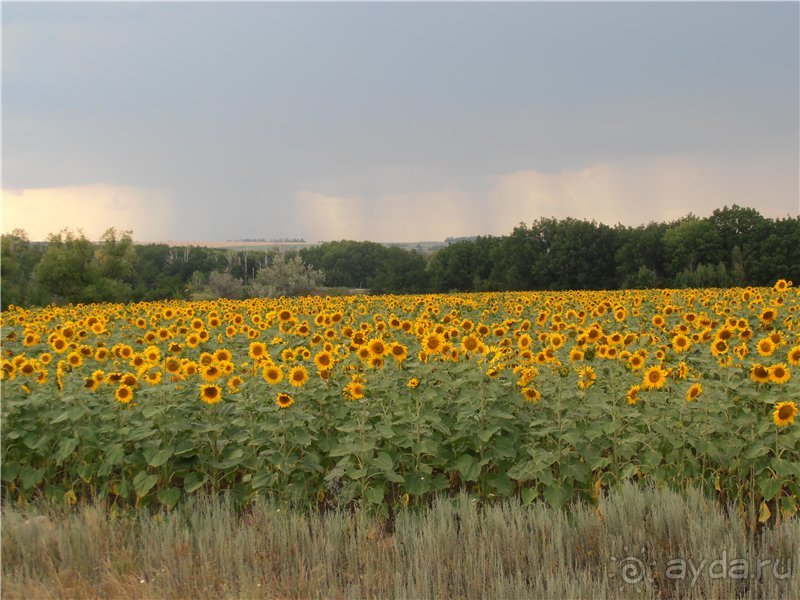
(453, 549)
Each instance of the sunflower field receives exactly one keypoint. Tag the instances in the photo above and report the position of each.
(390, 401)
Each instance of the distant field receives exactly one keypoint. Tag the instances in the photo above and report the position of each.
(423, 247)
(234, 245)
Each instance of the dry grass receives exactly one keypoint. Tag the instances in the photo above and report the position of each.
(455, 549)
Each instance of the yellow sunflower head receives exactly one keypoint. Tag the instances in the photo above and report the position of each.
(284, 400)
(633, 394)
(377, 348)
(298, 376)
(654, 378)
(693, 392)
(779, 373)
(272, 374)
(765, 346)
(124, 394)
(793, 356)
(354, 390)
(210, 393)
(531, 394)
(784, 413)
(759, 373)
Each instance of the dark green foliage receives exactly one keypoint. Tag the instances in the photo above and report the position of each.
(19, 257)
(368, 265)
(734, 246)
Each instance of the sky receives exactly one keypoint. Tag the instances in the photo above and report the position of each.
(393, 122)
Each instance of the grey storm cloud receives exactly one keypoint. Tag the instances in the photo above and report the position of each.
(394, 121)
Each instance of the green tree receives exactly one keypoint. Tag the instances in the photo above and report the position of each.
(113, 262)
(19, 257)
(225, 285)
(286, 277)
(399, 272)
(67, 272)
(690, 242)
(640, 251)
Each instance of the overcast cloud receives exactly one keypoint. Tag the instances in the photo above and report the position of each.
(393, 122)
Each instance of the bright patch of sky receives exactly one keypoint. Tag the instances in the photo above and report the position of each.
(393, 121)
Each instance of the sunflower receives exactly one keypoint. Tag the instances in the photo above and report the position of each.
(298, 376)
(138, 361)
(234, 383)
(354, 390)
(9, 369)
(779, 373)
(272, 374)
(765, 346)
(681, 371)
(124, 394)
(654, 378)
(768, 315)
(284, 400)
(210, 393)
(130, 380)
(741, 350)
(432, 343)
(90, 383)
(593, 334)
(323, 360)
(633, 394)
(784, 413)
(471, 343)
(211, 372)
(694, 391)
(58, 343)
(576, 354)
(413, 382)
(27, 368)
(524, 341)
(398, 351)
(153, 378)
(223, 354)
(759, 373)
(152, 354)
(377, 348)
(793, 356)
(75, 359)
(189, 367)
(531, 394)
(781, 285)
(719, 347)
(586, 378)
(173, 366)
(636, 362)
(681, 343)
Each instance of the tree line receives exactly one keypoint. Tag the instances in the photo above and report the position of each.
(734, 246)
